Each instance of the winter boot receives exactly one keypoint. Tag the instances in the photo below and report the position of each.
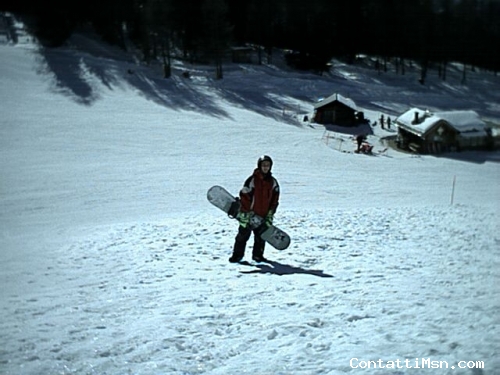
(235, 259)
(258, 250)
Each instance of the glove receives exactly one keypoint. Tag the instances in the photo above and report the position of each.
(243, 218)
(269, 218)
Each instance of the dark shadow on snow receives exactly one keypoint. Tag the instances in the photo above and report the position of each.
(265, 90)
(74, 71)
(77, 69)
(281, 269)
(477, 157)
(364, 129)
(86, 60)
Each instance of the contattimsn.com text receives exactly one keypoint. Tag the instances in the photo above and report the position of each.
(416, 363)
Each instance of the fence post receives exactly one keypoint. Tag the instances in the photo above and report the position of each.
(453, 189)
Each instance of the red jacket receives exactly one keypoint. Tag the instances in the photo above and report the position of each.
(260, 194)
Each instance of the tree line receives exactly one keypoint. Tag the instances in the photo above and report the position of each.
(315, 31)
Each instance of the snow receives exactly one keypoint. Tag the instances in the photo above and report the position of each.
(113, 262)
(463, 121)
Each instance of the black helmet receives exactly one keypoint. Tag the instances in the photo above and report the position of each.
(264, 158)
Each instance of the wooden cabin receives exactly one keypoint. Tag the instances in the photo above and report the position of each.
(424, 132)
(335, 110)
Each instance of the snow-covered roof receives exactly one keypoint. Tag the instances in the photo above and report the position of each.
(461, 121)
(336, 97)
(425, 122)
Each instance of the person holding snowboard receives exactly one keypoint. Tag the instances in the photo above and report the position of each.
(259, 196)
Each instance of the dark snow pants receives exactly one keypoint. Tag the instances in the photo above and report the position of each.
(241, 241)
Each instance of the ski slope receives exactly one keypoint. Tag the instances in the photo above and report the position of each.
(113, 262)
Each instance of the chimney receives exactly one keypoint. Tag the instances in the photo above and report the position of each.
(415, 120)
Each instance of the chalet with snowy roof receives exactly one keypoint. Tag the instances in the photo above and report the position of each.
(335, 110)
(433, 133)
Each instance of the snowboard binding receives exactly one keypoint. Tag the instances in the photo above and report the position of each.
(234, 208)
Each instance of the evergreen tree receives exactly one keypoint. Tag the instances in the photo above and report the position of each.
(159, 16)
(428, 31)
(216, 37)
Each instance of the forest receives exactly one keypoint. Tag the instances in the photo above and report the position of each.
(431, 32)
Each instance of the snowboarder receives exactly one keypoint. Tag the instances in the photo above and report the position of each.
(259, 195)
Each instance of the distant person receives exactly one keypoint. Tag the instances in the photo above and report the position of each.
(259, 196)
(359, 140)
(366, 148)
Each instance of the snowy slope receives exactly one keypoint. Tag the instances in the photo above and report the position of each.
(113, 262)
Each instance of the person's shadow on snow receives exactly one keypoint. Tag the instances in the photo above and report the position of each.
(282, 269)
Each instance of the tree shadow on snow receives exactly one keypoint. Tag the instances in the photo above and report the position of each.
(75, 71)
(270, 92)
(87, 68)
(281, 269)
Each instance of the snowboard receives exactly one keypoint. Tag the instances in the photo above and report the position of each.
(226, 202)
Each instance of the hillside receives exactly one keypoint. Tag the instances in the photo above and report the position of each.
(113, 262)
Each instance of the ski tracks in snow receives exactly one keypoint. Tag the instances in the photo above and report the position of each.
(162, 297)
